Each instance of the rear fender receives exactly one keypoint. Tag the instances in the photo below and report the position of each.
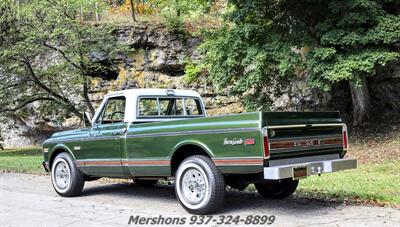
(194, 143)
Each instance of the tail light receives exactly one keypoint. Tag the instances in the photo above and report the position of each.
(266, 143)
(345, 138)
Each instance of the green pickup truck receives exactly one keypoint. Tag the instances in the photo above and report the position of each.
(152, 134)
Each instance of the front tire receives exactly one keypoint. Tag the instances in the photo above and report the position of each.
(65, 176)
(199, 185)
(277, 189)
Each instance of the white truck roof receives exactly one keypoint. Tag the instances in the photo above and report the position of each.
(153, 91)
(132, 96)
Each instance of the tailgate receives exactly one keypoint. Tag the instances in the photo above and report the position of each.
(304, 134)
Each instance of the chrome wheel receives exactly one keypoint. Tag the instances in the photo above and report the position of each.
(61, 175)
(193, 186)
(199, 185)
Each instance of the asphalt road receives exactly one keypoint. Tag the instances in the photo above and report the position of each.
(29, 200)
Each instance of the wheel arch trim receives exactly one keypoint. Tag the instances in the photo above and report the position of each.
(54, 151)
(191, 143)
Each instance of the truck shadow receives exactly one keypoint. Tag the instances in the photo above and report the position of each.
(239, 200)
(236, 201)
(131, 191)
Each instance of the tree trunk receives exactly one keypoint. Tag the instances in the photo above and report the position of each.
(86, 96)
(1, 141)
(17, 3)
(48, 90)
(132, 10)
(81, 12)
(361, 101)
(178, 9)
(96, 6)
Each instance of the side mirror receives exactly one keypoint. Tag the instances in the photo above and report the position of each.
(87, 119)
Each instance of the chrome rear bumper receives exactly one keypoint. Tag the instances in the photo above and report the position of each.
(312, 168)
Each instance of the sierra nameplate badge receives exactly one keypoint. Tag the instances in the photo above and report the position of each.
(233, 141)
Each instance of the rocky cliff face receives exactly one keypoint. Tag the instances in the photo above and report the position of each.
(158, 62)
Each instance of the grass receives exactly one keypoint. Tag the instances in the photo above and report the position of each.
(374, 183)
(370, 183)
(22, 160)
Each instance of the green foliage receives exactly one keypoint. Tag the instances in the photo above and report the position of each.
(191, 9)
(250, 59)
(173, 22)
(271, 41)
(353, 40)
(192, 71)
(346, 66)
(47, 55)
(175, 12)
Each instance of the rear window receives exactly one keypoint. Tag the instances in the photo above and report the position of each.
(169, 107)
(148, 107)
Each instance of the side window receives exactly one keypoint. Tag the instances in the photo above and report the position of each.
(164, 107)
(171, 106)
(148, 107)
(193, 107)
(113, 112)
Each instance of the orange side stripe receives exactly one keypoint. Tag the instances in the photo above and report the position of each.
(166, 162)
(150, 162)
(103, 163)
(239, 161)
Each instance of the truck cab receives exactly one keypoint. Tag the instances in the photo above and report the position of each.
(149, 105)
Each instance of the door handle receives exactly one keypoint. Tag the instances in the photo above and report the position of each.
(120, 132)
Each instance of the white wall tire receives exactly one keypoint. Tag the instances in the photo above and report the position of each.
(65, 176)
(199, 185)
(61, 175)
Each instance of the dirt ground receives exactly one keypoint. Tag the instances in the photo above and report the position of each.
(376, 143)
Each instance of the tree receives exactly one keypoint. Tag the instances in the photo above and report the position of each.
(48, 55)
(351, 41)
(336, 41)
(1, 143)
(253, 66)
(252, 55)
(132, 10)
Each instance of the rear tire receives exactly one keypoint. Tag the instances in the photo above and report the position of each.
(65, 176)
(199, 185)
(277, 189)
(145, 183)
